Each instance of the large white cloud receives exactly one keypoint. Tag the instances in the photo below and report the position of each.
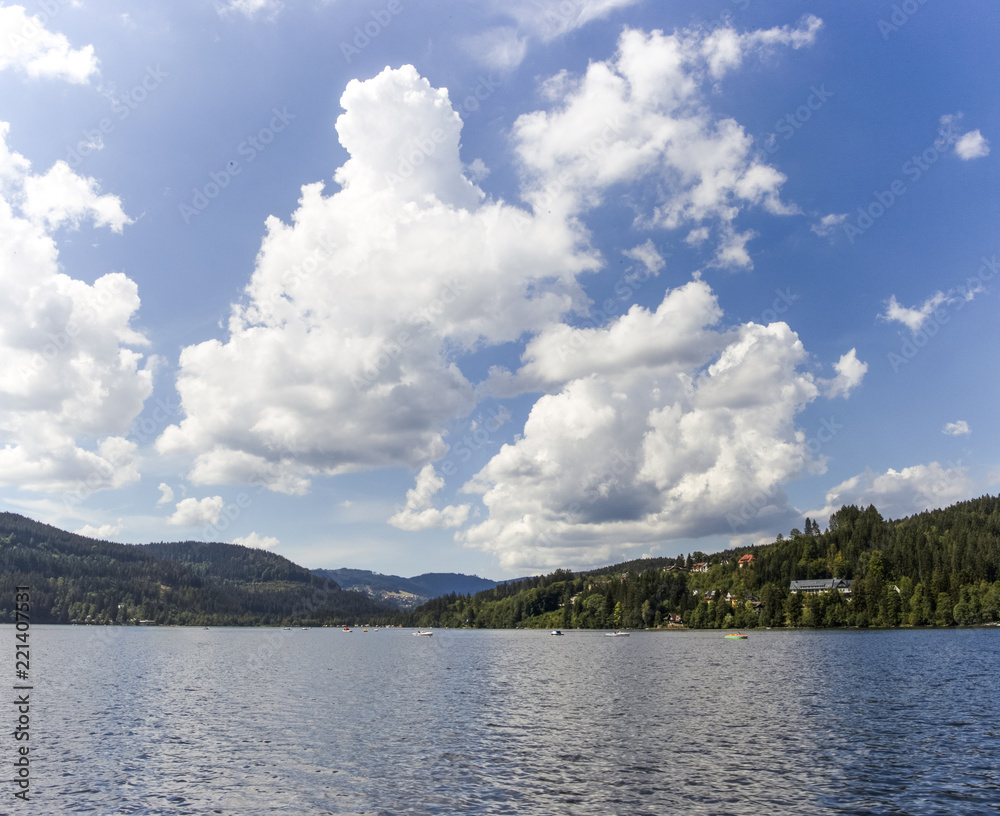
(345, 352)
(28, 47)
(903, 492)
(644, 115)
(674, 426)
(71, 381)
(342, 356)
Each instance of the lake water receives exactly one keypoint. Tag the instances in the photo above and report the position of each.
(251, 721)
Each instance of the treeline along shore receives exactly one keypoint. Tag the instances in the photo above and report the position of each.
(938, 568)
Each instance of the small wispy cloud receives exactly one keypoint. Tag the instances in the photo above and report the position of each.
(102, 533)
(972, 145)
(828, 223)
(960, 428)
(914, 317)
(257, 541)
(269, 9)
(969, 145)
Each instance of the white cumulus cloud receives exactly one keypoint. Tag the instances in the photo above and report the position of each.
(104, 532)
(342, 355)
(960, 428)
(644, 114)
(197, 512)
(268, 9)
(672, 426)
(850, 372)
(28, 47)
(257, 541)
(972, 145)
(419, 512)
(71, 370)
(828, 224)
(900, 493)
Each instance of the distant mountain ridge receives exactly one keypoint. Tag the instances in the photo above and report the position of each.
(406, 593)
(75, 579)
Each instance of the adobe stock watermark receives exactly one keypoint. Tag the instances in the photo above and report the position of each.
(955, 300)
(901, 14)
(123, 105)
(547, 195)
(364, 34)
(101, 475)
(791, 122)
(478, 438)
(82, 314)
(595, 148)
(414, 154)
(418, 149)
(293, 276)
(626, 286)
(913, 169)
(485, 88)
(599, 485)
(751, 505)
(37, 23)
(392, 351)
(726, 17)
(249, 149)
(231, 511)
(781, 304)
(953, 475)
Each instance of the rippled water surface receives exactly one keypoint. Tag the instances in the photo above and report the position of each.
(251, 721)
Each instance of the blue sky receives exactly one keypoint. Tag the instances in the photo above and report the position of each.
(494, 287)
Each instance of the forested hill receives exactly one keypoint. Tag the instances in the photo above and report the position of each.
(937, 568)
(78, 579)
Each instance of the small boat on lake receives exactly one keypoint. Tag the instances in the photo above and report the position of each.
(423, 633)
(736, 636)
(556, 632)
(617, 633)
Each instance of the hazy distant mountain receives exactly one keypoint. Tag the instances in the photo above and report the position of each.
(406, 593)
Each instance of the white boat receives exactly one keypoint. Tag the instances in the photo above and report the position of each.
(556, 632)
(423, 633)
(618, 633)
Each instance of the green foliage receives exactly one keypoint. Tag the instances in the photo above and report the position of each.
(934, 569)
(74, 579)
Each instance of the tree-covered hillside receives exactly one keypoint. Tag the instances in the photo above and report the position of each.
(78, 579)
(937, 568)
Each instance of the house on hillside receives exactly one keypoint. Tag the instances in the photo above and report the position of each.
(745, 560)
(735, 600)
(701, 567)
(814, 587)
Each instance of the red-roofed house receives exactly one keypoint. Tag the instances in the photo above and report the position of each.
(745, 560)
